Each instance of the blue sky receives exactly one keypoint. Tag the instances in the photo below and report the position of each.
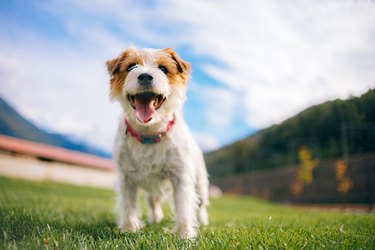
(254, 63)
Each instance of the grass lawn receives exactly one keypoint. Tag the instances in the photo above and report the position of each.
(48, 215)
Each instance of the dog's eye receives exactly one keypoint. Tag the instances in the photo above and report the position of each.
(164, 69)
(131, 67)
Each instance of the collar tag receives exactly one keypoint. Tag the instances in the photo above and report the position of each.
(150, 139)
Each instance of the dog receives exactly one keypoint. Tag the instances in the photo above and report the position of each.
(154, 150)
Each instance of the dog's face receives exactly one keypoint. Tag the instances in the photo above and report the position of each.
(150, 84)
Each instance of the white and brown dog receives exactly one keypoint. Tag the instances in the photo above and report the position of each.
(154, 149)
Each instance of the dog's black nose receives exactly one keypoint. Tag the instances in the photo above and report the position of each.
(145, 79)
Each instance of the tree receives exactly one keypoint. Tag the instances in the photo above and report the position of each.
(344, 183)
(305, 170)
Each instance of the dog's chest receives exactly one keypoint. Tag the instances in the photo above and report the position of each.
(145, 164)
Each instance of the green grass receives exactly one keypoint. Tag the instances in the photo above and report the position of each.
(57, 216)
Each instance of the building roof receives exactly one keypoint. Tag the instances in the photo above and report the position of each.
(53, 153)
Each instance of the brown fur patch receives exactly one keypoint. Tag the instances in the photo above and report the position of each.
(178, 70)
(117, 70)
(183, 68)
(176, 74)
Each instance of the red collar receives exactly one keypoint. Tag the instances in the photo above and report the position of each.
(149, 139)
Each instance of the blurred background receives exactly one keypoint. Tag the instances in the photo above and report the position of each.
(281, 96)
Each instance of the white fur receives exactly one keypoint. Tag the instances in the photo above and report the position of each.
(174, 164)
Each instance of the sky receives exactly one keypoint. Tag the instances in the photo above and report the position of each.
(254, 63)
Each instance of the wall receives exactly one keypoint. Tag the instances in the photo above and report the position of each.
(275, 184)
(29, 168)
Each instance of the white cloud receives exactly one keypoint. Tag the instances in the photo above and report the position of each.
(281, 57)
(275, 58)
(58, 88)
(206, 141)
(220, 105)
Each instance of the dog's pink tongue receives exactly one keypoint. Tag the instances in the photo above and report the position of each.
(144, 109)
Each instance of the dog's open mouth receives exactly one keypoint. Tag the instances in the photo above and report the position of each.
(146, 104)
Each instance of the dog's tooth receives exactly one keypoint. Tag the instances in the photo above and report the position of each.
(132, 100)
(156, 103)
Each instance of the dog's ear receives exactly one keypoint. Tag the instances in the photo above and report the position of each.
(182, 66)
(113, 66)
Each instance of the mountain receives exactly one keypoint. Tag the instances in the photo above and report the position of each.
(13, 124)
(324, 129)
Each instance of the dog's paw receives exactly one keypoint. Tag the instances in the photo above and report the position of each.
(186, 232)
(203, 216)
(131, 226)
(155, 216)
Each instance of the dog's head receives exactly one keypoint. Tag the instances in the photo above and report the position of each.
(150, 84)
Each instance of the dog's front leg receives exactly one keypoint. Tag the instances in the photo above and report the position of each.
(185, 206)
(128, 207)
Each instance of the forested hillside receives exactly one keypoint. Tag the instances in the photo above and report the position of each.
(325, 129)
